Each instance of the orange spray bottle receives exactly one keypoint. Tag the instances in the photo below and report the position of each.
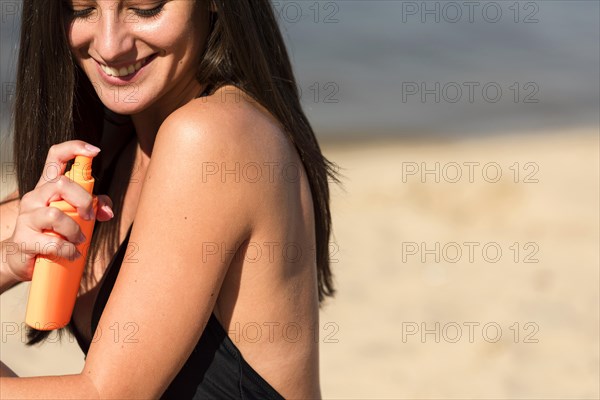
(56, 279)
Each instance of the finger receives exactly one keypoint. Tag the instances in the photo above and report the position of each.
(104, 212)
(63, 188)
(56, 220)
(60, 154)
(50, 245)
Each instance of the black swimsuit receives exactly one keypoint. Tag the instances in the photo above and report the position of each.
(214, 370)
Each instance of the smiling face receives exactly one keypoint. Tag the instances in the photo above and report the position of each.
(140, 55)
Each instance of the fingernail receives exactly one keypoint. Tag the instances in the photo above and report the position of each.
(92, 148)
(74, 255)
(108, 210)
(81, 238)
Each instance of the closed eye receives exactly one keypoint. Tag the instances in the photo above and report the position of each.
(144, 13)
(149, 13)
(80, 13)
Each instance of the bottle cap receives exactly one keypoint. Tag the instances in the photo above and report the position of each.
(81, 173)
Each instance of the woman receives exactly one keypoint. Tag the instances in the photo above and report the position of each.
(205, 275)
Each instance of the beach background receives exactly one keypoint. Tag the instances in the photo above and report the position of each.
(466, 234)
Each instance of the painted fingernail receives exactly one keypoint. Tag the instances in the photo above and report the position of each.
(87, 215)
(81, 238)
(74, 254)
(108, 210)
(92, 148)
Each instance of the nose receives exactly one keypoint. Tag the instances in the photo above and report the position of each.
(113, 40)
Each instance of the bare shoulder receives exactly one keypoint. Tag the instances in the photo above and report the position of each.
(230, 123)
(228, 145)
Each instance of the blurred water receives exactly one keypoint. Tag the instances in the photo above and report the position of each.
(362, 66)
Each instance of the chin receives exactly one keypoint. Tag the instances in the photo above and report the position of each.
(127, 98)
(125, 104)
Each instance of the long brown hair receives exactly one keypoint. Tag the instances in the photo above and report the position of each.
(55, 102)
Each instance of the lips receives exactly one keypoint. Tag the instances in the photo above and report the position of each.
(126, 70)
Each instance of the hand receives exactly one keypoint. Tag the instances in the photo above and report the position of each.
(35, 215)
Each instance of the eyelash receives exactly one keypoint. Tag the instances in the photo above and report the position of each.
(150, 13)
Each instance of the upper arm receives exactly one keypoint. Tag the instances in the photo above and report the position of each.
(9, 210)
(166, 291)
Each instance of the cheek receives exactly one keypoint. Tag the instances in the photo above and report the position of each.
(169, 36)
(79, 37)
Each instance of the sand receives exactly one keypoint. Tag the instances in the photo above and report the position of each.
(476, 286)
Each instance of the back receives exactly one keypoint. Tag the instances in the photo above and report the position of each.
(268, 303)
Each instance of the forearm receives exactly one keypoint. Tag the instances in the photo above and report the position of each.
(7, 280)
(48, 387)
